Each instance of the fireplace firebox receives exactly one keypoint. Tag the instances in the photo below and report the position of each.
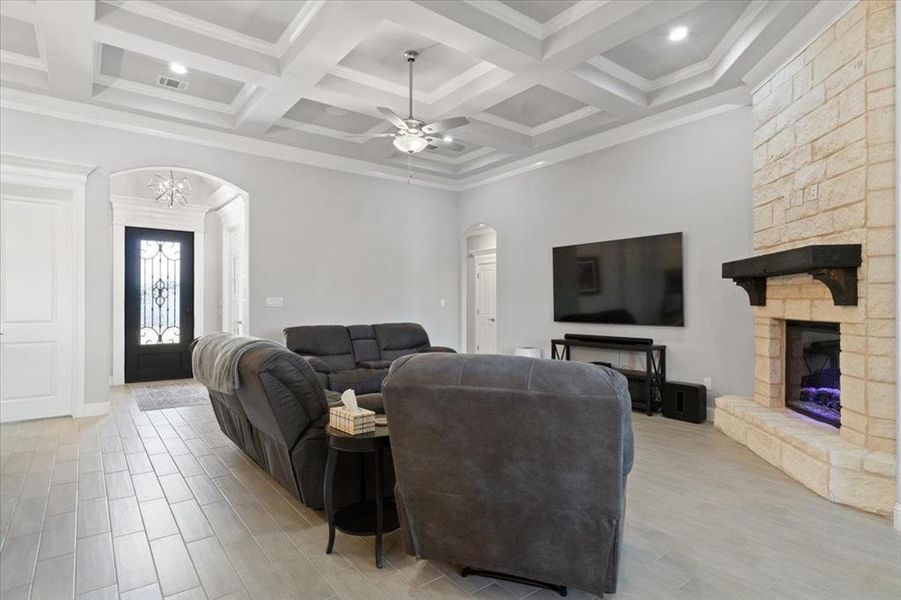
(812, 370)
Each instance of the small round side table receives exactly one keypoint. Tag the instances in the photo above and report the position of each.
(365, 517)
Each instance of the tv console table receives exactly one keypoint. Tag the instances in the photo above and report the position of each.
(654, 375)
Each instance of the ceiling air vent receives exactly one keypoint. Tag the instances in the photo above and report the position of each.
(172, 83)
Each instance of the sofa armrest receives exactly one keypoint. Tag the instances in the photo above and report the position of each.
(440, 349)
(318, 364)
(374, 364)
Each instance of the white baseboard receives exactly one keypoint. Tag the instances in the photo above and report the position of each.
(897, 516)
(94, 409)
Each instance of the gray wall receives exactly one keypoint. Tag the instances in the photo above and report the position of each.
(696, 179)
(340, 248)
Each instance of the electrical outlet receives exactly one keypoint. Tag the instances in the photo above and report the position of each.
(442, 303)
(708, 383)
(275, 301)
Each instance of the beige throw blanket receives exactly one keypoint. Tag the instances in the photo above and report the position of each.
(216, 356)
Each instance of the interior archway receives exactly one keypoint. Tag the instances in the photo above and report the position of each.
(216, 215)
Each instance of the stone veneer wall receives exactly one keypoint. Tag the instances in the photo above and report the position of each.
(824, 162)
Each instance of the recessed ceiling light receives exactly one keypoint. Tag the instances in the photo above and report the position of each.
(448, 139)
(539, 163)
(177, 67)
(677, 34)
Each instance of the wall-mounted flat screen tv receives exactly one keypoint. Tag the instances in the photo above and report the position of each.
(636, 281)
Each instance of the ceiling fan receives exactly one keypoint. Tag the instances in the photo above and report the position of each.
(413, 135)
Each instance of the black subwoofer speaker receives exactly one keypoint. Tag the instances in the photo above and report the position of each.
(685, 401)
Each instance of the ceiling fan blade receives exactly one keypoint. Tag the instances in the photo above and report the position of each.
(445, 124)
(439, 143)
(392, 117)
(369, 136)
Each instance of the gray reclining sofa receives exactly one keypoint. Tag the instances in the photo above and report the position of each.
(278, 415)
(512, 465)
(357, 356)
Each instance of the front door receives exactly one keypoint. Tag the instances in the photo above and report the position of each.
(159, 303)
(37, 304)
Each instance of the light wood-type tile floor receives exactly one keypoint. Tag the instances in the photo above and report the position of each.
(162, 505)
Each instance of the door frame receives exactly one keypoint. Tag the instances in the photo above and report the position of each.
(141, 212)
(481, 258)
(233, 215)
(71, 179)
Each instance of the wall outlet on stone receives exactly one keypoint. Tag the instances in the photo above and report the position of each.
(708, 383)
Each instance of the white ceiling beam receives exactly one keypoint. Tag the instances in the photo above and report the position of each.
(464, 28)
(118, 27)
(611, 96)
(65, 29)
(488, 134)
(331, 30)
(23, 10)
(807, 29)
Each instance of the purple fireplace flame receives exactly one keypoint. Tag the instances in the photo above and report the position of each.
(812, 370)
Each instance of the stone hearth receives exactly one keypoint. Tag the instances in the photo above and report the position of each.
(824, 164)
(813, 453)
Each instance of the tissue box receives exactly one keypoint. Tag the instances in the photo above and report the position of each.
(352, 422)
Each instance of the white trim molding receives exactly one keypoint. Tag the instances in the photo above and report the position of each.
(141, 212)
(71, 178)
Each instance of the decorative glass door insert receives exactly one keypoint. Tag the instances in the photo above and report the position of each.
(160, 287)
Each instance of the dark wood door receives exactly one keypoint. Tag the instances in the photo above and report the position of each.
(159, 303)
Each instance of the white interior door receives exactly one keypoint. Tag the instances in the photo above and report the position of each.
(237, 282)
(37, 300)
(486, 304)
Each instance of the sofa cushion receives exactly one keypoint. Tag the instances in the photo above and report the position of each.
(366, 347)
(331, 343)
(361, 381)
(374, 364)
(399, 339)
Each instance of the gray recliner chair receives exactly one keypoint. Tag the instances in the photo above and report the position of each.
(512, 465)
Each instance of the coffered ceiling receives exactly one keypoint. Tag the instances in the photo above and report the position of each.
(540, 80)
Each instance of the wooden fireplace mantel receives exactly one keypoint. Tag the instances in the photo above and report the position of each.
(833, 264)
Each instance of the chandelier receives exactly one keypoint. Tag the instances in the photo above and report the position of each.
(167, 190)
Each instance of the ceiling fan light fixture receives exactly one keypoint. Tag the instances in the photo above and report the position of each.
(410, 144)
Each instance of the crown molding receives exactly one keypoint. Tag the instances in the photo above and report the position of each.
(30, 102)
(707, 107)
(72, 172)
(144, 89)
(510, 16)
(160, 13)
(22, 60)
(529, 26)
(297, 26)
(802, 35)
(379, 83)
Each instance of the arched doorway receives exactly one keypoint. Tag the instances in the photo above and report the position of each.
(179, 268)
(479, 290)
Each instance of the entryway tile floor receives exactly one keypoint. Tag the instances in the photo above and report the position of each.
(160, 504)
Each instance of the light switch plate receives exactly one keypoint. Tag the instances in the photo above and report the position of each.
(274, 301)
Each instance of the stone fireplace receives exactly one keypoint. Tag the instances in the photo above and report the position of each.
(824, 401)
